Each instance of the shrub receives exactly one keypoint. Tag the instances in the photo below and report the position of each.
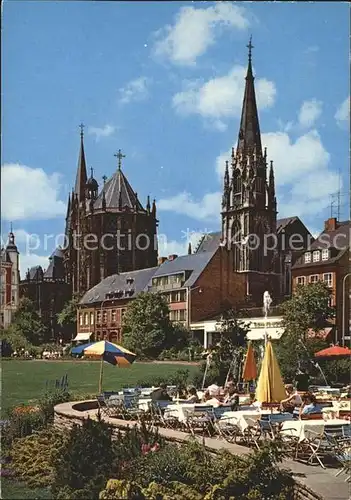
(22, 421)
(49, 401)
(83, 464)
(121, 489)
(31, 457)
(180, 378)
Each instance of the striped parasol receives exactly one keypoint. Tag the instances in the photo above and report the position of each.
(110, 353)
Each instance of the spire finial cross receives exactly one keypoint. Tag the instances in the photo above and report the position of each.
(81, 126)
(119, 156)
(250, 47)
(92, 172)
(104, 178)
(11, 227)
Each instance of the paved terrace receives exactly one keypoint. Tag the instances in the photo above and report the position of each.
(314, 482)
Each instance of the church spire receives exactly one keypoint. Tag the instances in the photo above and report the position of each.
(81, 178)
(249, 133)
(272, 201)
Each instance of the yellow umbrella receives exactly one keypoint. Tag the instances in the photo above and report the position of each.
(250, 370)
(270, 387)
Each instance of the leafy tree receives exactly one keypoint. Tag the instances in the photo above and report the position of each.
(27, 323)
(307, 309)
(67, 318)
(147, 328)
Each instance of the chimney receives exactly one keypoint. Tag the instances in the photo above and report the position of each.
(330, 224)
(172, 257)
(161, 260)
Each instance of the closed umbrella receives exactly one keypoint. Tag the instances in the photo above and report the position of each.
(270, 386)
(250, 370)
(110, 353)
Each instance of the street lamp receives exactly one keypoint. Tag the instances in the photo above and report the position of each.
(343, 306)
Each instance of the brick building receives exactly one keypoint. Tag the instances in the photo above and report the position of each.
(327, 259)
(47, 289)
(194, 285)
(10, 278)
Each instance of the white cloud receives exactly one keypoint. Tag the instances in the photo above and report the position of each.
(135, 90)
(28, 260)
(195, 30)
(30, 193)
(342, 115)
(100, 132)
(208, 208)
(221, 97)
(309, 113)
(168, 247)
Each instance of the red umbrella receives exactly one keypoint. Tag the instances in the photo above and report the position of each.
(335, 351)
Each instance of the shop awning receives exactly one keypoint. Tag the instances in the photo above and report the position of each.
(83, 336)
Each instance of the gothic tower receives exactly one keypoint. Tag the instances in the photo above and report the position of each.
(107, 232)
(249, 208)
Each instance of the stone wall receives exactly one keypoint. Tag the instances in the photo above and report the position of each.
(68, 414)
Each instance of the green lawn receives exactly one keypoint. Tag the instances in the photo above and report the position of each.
(24, 381)
(15, 490)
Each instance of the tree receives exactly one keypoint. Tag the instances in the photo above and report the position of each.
(307, 309)
(147, 328)
(67, 318)
(228, 353)
(27, 322)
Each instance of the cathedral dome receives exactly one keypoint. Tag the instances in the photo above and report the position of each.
(92, 184)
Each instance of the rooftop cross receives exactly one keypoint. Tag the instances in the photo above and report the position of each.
(104, 178)
(250, 47)
(81, 126)
(119, 156)
(92, 172)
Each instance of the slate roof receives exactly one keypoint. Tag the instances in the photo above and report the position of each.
(118, 191)
(5, 257)
(337, 241)
(35, 272)
(195, 263)
(119, 282)
(283, 223)
(209, 242)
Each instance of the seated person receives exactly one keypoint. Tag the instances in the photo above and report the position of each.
(309, 405)
(161, 394)
(292, 400)
(192, 396)
(206, 397)
(232, 398)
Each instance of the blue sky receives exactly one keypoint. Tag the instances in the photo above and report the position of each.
(163, 81)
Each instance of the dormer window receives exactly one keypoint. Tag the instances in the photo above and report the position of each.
(316, 256)
(307, 257)
(325, 254)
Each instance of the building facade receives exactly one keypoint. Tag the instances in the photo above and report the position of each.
(107, 232)
(10, 278)
(327, 259)
(194, 286)
(48, 290)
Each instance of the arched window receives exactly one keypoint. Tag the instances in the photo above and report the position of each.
(236, 245)
(259, 249)
(237, 182)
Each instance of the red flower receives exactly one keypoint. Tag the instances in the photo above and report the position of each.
(155, 447)
(145, 449)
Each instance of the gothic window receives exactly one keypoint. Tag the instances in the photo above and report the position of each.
(258, 246)
(246, 225)
(258, 184)
(236, 245)
(237, 182)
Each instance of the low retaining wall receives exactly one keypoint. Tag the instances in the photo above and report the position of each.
(68, 414)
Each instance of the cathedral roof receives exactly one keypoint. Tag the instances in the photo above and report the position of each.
(81, 177)
(118, 194)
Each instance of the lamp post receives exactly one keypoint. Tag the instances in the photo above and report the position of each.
(267, 301)
(343, 306)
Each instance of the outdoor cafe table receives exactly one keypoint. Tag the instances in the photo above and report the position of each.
(305, 429)
(181, 411)
(246, 417)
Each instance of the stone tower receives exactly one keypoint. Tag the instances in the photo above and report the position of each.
(249, 207)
